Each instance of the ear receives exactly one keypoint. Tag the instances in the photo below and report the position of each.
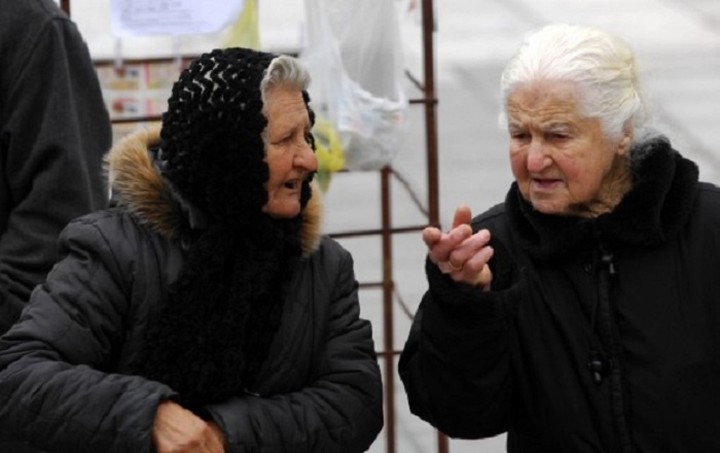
(626, 139)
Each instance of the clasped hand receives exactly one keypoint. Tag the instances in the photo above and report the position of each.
(459, 253)
(177, 430)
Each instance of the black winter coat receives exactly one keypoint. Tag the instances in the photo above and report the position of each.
(598, 335)
(54, 131)
(67, 367)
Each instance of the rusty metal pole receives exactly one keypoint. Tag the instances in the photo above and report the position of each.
(431, 136)
(65, 6)
(387, 290)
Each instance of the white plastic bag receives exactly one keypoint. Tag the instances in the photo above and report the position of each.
(355, 58)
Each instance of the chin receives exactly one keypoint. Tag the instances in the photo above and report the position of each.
(549, 203)
(548, 208)
(283, 216)
(283, 213)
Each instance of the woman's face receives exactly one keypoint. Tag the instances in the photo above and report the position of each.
(561, 160)
(287, 150)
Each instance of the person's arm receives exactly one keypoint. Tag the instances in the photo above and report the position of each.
(340, 411)
(55, 386)
(55, 129)
(455, 365)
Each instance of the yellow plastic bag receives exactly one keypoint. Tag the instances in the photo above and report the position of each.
(244, 31)
(329, 151)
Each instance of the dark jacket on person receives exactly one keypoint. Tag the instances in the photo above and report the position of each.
(68, 368)
(54, 131)
(598, 335)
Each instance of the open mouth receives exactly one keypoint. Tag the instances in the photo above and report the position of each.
(544, 184)
(293, 184)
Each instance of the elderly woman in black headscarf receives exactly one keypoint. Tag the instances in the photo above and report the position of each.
(582, 314)
(205, 311)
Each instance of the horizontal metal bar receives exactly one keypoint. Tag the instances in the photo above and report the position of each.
(407, 229)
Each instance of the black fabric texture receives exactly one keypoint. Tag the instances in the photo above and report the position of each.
(215, 328)
(651, 213)
(212, 334)
(636, 287)
(54, 131)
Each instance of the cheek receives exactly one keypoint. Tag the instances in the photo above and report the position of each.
(572, 170)
(582, 178)
(272, 175)
(276, 168)
(518, 164)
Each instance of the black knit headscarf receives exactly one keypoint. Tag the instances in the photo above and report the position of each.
(214, 327)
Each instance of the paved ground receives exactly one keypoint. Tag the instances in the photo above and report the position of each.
(677, 43)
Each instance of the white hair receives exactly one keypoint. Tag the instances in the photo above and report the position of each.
(600, 64)
(285, 70)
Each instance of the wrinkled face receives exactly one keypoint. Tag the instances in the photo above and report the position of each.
(287, 150)
(561, 160)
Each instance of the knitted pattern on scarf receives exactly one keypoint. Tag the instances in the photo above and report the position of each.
(213, 331)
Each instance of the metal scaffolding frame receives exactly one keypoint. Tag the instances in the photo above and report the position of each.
(428, 101)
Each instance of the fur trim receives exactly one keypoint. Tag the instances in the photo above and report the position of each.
(138, 186)
(311, 232)
(136, 183)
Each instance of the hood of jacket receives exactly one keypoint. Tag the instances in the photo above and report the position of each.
(137, 185)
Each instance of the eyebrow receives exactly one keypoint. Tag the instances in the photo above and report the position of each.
(556, 126)
(553, 125)
(514, 127)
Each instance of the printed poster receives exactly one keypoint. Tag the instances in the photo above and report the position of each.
(132, 18)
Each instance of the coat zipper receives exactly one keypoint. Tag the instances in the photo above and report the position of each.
(611, 366)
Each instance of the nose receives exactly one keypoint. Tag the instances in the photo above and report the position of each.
(537, 158)
(305, 158)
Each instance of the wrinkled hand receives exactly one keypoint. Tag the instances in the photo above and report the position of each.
(178, 430)
(460, 253)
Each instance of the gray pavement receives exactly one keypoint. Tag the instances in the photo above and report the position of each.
(677, 44)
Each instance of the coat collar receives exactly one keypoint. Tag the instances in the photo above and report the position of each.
(654, 211)
(137, 185)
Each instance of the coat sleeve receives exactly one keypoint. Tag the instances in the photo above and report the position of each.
(53, 389)
(55, 129)
(455, 365)
(340, 411)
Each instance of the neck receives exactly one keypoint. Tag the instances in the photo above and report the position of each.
(616, 184)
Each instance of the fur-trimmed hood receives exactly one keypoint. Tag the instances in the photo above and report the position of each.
(137, 185)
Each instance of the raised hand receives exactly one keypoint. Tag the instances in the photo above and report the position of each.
(460, 253)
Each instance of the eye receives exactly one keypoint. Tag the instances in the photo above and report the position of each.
(558, 136)
(283, 139)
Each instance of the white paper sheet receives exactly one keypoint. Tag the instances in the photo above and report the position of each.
(171, 17)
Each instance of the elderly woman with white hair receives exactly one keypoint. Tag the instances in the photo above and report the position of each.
(582, 314)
